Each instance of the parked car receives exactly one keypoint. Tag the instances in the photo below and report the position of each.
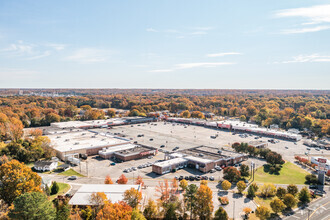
(113, 164)
(161, 146)
(198, 178)
(218, 168)
(205, 177)
(181, 178)
(72, 178)
(186, 177)
(191, 178)
(134, 168)
(151, 139)
(211, 178)
(212, 171)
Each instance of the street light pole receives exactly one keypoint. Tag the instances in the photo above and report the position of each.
(234, 211)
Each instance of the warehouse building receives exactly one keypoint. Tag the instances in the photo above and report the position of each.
(101, 123)
(238, 126)
(258, 144)
(202, 158)
(127, 152)
(114, 193)
(86, 142)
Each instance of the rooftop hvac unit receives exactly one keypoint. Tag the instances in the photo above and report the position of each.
(76, 143)
(67, 139)
(93, 136)
(103, 139)
(58, 137)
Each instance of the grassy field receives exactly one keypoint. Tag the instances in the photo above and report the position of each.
(289, 174)
(64, 187)
(71, 172)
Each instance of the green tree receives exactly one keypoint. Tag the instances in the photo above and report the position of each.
(244, 169)
(289, 200)
(277, 205)
(32, 206)
(183, 184)
(292, 189)
(280, 193)
(262, 212)
(304, 196)
(132, 197)
(137, 215)
(47, 190)
(54, 188)
(150, 210)
(241, 186)
(62, 209)
(16, 179)
(252, 190)
(170, 211)
(190, 199)
(220, 214)
(268, 190)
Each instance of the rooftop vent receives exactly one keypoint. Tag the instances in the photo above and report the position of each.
(76, 143)
(67, 139)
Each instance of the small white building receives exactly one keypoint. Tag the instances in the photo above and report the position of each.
(114, 192)
(45, 165)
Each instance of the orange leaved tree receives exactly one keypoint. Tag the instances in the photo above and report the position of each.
(122, 179)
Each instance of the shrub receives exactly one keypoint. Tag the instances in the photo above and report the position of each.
(55, 188)
(223, 200)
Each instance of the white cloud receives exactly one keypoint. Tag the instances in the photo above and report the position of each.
(57, 47)
(192, 65)
(203, 28)
(44, 54)
(151, 30)
(88, 55)
(161, 70)
(308, 59)
(305, 30)
(198, 33)
(222, 54)
(29, 51)
(314, 15)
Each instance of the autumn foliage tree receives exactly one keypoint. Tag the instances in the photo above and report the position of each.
(225, 185)
(108, 180)
(277, 205)
(122, 179)
(132, 197)
(115, 211)
(231, 174)
(204, 205)
(16, 179)
(262, 212)
(139, 181)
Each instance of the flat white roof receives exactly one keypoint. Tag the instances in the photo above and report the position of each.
(170, 162)
(198, 159)
(78, 124)
(113, 149)
(114, 192)
(83, 140)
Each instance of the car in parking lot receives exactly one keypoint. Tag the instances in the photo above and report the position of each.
(313, 186)
(186, 177)
(134, 168)
(181, 178)
(198, 178)
(218, 168)
(205, 177)
(72, 178)
(151, 139)
(211, 178)
(161, 146)
(191, 178)
(113, 164)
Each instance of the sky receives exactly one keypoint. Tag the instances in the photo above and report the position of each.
(179, 44)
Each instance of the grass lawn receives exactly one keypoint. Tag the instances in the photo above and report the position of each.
(64, 187)
(71, 172)
(289, 174)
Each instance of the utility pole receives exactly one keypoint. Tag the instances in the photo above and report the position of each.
(234, 211)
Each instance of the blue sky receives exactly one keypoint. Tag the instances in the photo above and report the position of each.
(216, 44)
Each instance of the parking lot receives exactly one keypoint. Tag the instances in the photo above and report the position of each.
(170, 136)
